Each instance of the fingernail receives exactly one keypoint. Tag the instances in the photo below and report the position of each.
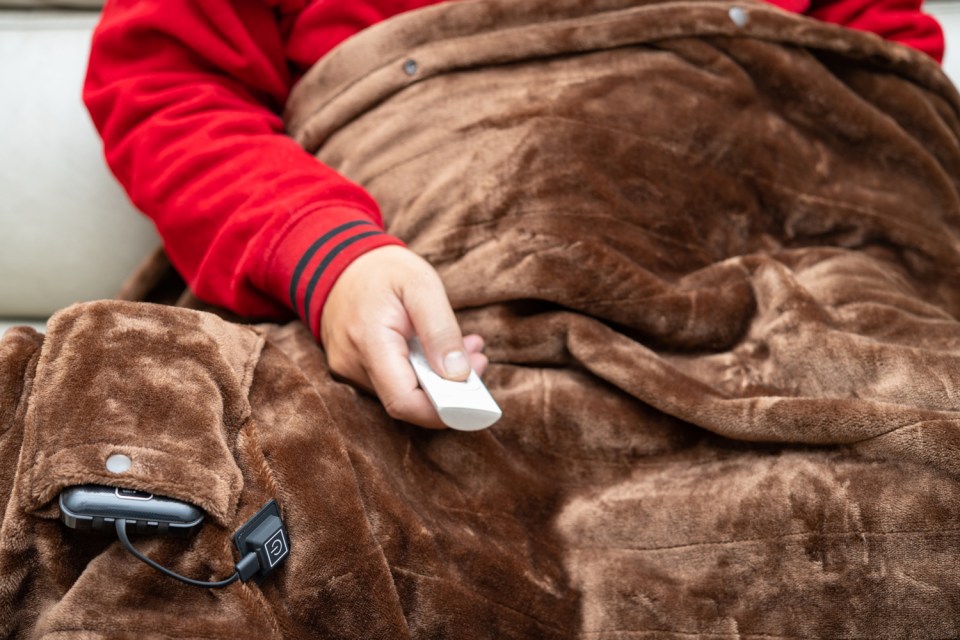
(456, 365)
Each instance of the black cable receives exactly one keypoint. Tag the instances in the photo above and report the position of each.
(122, 534)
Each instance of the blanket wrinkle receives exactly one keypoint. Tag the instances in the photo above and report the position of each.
(715, 269)
(381, 560)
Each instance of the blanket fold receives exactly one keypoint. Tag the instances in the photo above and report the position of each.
(714, 256)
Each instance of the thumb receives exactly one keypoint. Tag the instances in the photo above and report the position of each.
(434, 322)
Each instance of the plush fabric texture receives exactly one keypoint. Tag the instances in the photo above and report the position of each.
(716, 267)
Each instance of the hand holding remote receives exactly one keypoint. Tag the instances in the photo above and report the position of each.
(382, 299)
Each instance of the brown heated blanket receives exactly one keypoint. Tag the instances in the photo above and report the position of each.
(714, 253)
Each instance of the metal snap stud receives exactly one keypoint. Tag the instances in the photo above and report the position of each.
(739, 16)
(119, 463)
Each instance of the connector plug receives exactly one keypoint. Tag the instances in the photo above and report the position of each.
(265, 537)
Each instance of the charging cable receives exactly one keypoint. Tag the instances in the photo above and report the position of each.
(262, 541)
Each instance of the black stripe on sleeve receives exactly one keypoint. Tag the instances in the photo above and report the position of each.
(327, 259)
(311, 251)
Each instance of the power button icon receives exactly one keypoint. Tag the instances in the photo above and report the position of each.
(276, 548)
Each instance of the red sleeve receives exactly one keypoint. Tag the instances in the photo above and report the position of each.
(185, 95)
(897, 20)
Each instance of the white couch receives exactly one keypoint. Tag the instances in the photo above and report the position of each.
(68, 231)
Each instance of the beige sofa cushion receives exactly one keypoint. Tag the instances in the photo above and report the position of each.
(69, 233)
(48, 4)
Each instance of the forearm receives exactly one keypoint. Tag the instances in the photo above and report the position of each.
(192, 134)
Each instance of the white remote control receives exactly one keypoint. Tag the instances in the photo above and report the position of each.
(466, 406)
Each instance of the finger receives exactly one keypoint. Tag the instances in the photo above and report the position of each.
(396, 384)
(478, 362)
(433, 320)
(473, 343)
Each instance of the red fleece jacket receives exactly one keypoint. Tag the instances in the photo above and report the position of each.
(186, 96)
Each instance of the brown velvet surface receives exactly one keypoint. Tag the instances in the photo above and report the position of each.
(717, 271)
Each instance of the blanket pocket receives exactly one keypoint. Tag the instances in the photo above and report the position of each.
(161, 390)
